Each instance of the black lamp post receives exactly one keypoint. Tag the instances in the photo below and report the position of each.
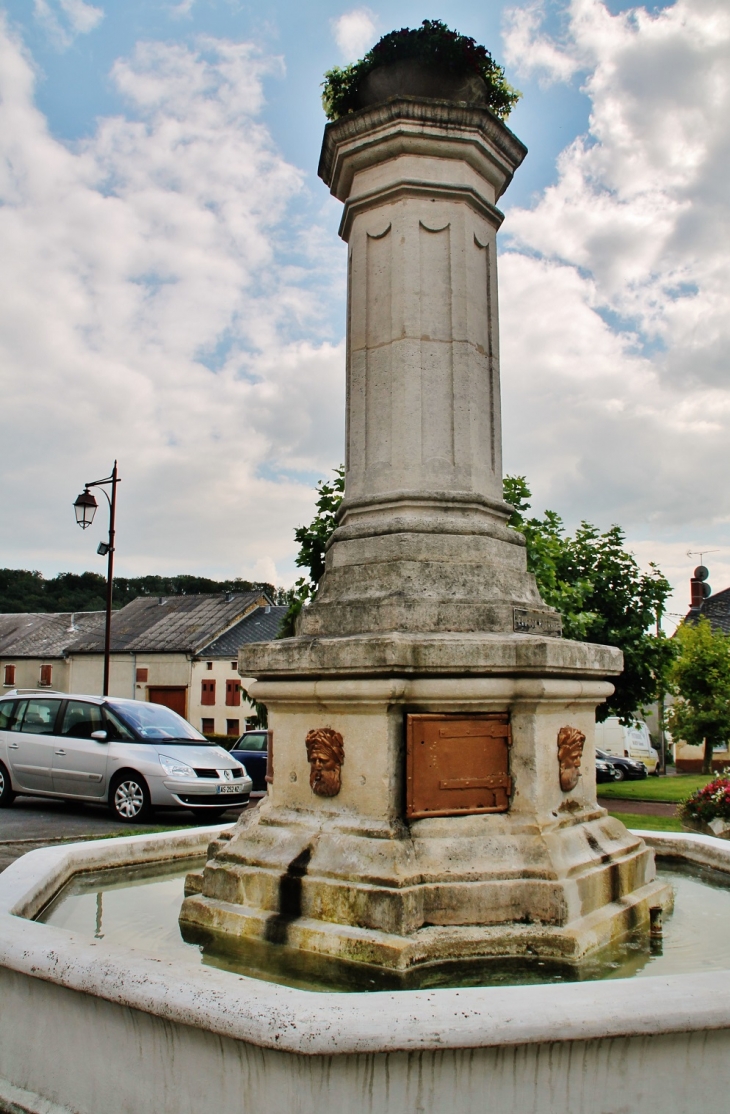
(85, 508)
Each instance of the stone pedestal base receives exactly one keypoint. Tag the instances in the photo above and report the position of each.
(347, 876)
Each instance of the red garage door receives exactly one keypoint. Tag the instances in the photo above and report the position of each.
(172, 697)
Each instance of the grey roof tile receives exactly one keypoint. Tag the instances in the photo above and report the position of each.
(33, 635)
(715, 608)
(261, 625)
(183, 624)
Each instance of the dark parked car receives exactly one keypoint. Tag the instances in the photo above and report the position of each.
(604, 771)
(624, 767)
(252, 750)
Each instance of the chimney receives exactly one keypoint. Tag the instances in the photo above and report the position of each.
(699, 589)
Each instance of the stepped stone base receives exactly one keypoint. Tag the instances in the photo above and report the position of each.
(347, 876)
(448, 571)
(557, 914)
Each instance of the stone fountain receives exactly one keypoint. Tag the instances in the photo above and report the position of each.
(432, 793)
(432, 789)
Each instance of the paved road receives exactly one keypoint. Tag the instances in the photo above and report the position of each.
(31, 822)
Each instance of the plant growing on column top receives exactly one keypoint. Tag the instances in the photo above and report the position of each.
(432, 44)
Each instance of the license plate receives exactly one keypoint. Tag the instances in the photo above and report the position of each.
(228, 789)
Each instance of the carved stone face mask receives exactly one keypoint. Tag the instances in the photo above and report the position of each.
(326, 753)
(570, 752)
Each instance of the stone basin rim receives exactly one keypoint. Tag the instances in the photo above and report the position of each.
(323, 1023)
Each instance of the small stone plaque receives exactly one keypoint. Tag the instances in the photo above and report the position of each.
(529, 620)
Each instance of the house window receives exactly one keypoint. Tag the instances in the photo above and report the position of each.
(233, 694)
(234, 666)
(209, 665)
(142, 675)
(9, 674)
(208, 726)
(46, 674)
(207, 692)
(232, 727)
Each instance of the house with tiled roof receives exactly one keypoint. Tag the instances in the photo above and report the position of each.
(33, 646)
(716, 608)
(181, 651)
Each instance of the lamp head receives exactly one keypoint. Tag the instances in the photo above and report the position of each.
(85, 508)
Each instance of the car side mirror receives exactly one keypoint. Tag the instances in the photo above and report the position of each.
(99, 736)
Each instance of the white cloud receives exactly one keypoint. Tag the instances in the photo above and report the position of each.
(355, 32)
(531, 52)
(82, 17)
(153, 307)
(74, 18)
(182, 10)
(614, 295)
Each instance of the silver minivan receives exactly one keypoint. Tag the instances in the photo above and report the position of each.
(132, 755)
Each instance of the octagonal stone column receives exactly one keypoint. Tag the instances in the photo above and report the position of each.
(422, 542)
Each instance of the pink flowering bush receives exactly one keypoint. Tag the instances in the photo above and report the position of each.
(711, 802)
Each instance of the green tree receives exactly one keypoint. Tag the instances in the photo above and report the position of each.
(700, 680)
(602, 594)
(591, 579)
(25, 591)
(312, 547)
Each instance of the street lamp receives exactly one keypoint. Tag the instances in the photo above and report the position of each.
(85, 509)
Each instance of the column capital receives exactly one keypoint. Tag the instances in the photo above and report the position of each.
(404, 125)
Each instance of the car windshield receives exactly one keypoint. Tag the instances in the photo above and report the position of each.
(153, 721)
(252, 740)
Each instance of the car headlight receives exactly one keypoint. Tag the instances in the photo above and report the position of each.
(175, 768)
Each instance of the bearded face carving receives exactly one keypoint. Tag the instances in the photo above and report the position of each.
(570, 752)
(326, 753)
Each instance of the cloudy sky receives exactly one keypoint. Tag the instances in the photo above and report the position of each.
(172, 285)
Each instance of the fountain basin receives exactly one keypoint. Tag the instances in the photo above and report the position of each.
(89, 1026)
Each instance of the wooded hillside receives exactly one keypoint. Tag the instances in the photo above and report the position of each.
(22, 590)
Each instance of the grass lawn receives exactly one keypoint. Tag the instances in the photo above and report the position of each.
(649, 823)
(654, 788)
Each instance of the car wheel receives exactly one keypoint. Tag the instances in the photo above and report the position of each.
(208, 815)
(619, 775)
(129, 798)
(6, 790)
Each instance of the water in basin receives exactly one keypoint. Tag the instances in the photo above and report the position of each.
(138, 907)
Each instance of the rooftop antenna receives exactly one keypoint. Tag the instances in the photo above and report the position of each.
(700, 590)
(700, 553)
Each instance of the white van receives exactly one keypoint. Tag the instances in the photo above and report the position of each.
(627, 742)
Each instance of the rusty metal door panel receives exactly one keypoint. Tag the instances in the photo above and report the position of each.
(457, 765)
